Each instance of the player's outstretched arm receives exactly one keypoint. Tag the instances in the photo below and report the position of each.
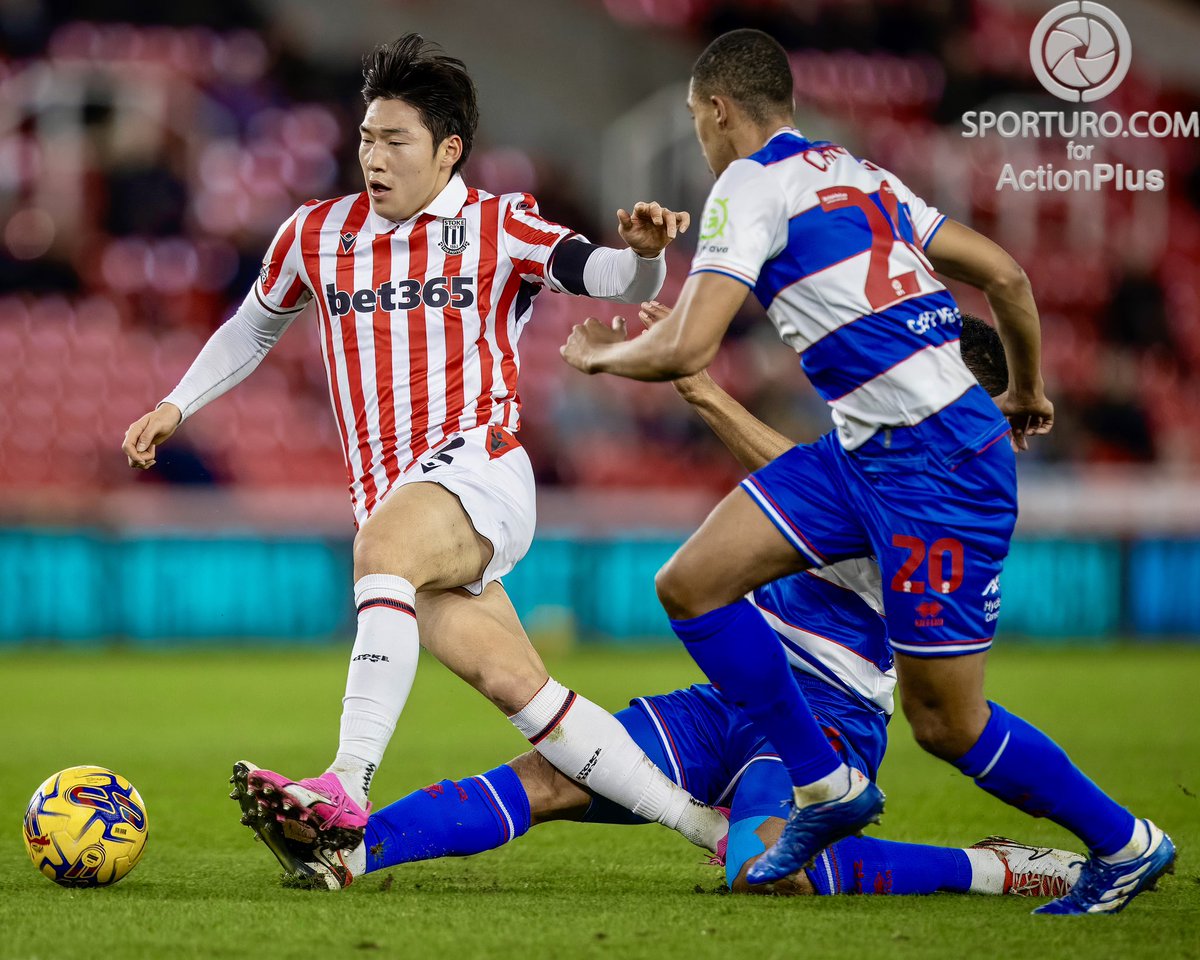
(631, 275)
(231, 355)
(962, 254)
(682, 344)
(751, 441)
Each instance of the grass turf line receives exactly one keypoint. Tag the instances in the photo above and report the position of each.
(174, 722)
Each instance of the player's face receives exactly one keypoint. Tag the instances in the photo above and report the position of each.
(402, 170)
(717, 150)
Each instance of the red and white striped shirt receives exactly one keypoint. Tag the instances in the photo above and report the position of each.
(419, 321)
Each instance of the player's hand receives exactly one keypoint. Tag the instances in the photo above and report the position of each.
(691, 387)
(650, 227)
(147, 432)
(1029, 416)
(588, 340)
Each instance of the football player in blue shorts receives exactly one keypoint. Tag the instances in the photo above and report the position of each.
(918, 472)
(829, 626)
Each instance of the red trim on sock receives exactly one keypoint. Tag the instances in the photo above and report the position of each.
(388, 602)
(558, 718)
(534, 697)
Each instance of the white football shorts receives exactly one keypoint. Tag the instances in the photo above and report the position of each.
(489, 472)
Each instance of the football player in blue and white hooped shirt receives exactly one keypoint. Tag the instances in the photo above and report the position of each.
(918, 472)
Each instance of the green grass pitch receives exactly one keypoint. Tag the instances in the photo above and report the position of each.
(173, 722)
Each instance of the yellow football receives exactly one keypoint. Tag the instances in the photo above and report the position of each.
(85, 827)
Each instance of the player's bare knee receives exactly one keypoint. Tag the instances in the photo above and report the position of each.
(946, 729)
(512, 687)
(678, 597)
(376, 552)
(937, 733)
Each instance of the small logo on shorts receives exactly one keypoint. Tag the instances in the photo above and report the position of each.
(499, 442)
(993, 587)
(927, 614)
(443, 455)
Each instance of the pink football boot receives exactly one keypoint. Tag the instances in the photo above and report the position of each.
(321, 802)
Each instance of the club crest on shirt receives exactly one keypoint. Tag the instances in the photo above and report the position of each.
(454, 235)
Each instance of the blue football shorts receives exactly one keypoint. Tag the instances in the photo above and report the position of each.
(936, 512)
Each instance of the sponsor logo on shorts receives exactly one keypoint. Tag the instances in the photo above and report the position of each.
(927, 614)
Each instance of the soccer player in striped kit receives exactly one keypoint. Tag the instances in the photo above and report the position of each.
(421, 287)
(918, 473)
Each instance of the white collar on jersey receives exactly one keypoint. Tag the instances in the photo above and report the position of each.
(445, 204)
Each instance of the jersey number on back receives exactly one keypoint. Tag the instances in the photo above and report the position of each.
(881, 290)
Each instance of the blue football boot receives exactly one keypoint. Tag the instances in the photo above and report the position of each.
(1105, 887)
(811, 829)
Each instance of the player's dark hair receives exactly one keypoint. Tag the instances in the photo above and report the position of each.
(983, 353)
(438, 87)
(749, 67)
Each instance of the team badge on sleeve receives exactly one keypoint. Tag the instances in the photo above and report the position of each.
(454, 235)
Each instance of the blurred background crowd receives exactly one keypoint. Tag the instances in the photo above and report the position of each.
(144, 169)
(148, 152)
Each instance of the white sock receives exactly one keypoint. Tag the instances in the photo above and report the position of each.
(356, 860)
(1137, 846)
(987, 871)
(382, 667)
(589, 745)
(843, 782)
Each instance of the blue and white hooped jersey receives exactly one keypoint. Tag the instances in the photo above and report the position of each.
(830, 622)
(833, 248)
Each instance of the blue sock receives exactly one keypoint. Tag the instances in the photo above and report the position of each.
(1016, 762)
(449, 819)
(867, 865)
(744, 659)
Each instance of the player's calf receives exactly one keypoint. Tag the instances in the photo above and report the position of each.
(551, 795)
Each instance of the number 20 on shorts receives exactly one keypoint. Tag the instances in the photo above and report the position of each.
(941, 561)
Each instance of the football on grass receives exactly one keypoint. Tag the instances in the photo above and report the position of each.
(85, 827)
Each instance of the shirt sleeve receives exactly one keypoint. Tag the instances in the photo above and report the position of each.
(530, 240)
(744, 223)
(280, 288)
(231, 354)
